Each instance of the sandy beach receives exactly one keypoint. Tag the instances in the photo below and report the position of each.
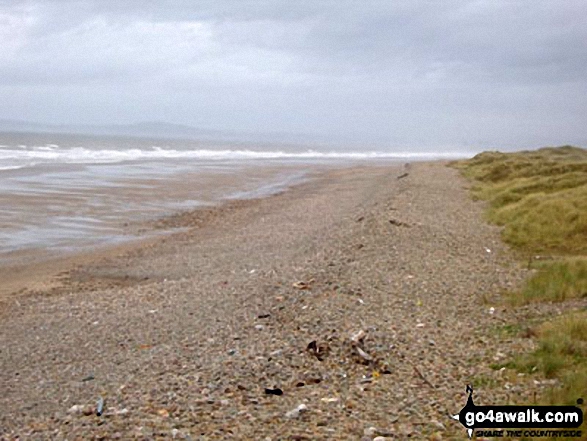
(351, 306)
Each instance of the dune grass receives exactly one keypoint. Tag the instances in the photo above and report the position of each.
(554, 282)
(539, 197)
(561, 353)
(540, 200)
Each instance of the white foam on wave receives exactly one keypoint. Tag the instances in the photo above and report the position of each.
(81, 155)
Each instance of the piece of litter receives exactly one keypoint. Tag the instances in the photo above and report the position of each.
(152, 311)
(420, 325)
(487, 250)
(491, 310)
(331, 399)
(100, 406)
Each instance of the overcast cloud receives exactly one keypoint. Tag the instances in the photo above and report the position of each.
(487, 73)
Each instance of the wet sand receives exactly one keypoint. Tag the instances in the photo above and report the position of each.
(360, 295)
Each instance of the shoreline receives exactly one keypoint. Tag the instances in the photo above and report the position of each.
(184, 335)
(25, 271)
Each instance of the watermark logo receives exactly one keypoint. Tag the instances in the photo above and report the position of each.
(507, 418)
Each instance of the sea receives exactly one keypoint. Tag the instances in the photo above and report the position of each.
(63, 193)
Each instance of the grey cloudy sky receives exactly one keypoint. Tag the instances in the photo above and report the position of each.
(487, 73)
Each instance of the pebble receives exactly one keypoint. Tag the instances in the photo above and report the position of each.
(76, 409)
(295, 413)
(377, 432)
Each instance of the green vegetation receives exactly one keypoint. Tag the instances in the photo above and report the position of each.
(540, 200)
(561, 354)
(554, 281)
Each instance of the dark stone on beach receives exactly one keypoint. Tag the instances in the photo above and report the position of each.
(276, 391)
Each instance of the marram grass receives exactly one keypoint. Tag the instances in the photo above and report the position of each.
(539, 197)
(540, 200)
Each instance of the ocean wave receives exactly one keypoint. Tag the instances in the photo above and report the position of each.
(53, 154)
(11, 167)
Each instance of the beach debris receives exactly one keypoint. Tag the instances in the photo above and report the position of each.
(295, 413)
(320, 351)
(492, 310)
(275, 391)
(487, 250)
(88, 378)
(259, 327)
(358, 337)
(358, 340)
(420, 325)
(366, 357)
(330, 399)
(403, 175)
(303, 285)
(231, 351)
(399, 223)
(100, 406)
(263, 316)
